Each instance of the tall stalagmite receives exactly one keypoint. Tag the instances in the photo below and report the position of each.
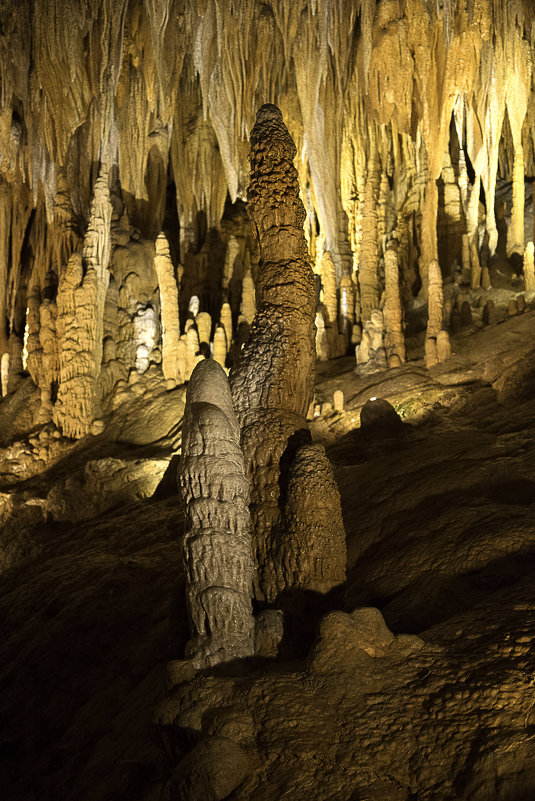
(216, 549)
(273, 381)
(80, 321)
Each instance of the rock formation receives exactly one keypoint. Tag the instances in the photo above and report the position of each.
(216, 549)
(272, 382)
(171, 366)
(392, 311)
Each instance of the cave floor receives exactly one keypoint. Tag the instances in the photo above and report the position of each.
(439, 521)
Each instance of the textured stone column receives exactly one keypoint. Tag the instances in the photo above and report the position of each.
(272, 382)
(217, 552)
(392, 311)
(435, 316)
(81, 300)
(169, 311)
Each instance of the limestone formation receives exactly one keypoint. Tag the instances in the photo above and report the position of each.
(338, 400)
(466, 314)
(248, 305)
(489, 314)
(313, 525)
(392, 311)
(203, 321)
(466, 260)
(80, 317)
(475, 268)
(216, 549)
(435, 316)
(272, 382)
(225, 318)
(220, 346)
(169, 310)
(192, 350)
(529, 268)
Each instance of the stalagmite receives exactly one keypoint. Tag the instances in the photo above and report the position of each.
(346, 317)
(273, 380)
(80, 301)
(322, 339)
(435, 315)
(169, 311)
(192, 344)
(466, 261)
(392, 311)
(225, 318)
(338, 400)
(328, 284)
(313, 524)
(248, 304)
(475, 268)
(203, 322)
(369, 255)
(529, 268)
(231, 254)
(15, 362)
(217, 552)
(220, 346)
(4, 373)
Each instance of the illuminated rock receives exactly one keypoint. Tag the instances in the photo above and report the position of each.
(217, 552)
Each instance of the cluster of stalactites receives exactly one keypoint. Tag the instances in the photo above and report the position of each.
(375, 154)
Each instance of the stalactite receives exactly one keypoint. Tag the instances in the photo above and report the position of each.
(216, 548)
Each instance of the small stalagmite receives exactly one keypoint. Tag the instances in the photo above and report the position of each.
(512, 308)
(322, 337)
(435, 315)
(328, 284)
(313, 523)
(466, 314)
(220, 346)
(15, 362)
(394, 339)
(192, 345)
(203, 322)
(485, 278)
(169, 311)
(466, 261)
(233, 249)
(521, 303)
(338, 400)
(248, 303)
(225, 318)
(475, 268)
(529, 268)
(4, 373)
(488, 315)
(443, 346)
(346, 318)
(217, 552)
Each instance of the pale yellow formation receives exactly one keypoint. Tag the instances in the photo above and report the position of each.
(169, 311)
(80, 318)
(220, 345)
(529, 268)
(203, 321)
(475, 268)
(248, 303)
(225, 319)
(435, 317)
(392, 311)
